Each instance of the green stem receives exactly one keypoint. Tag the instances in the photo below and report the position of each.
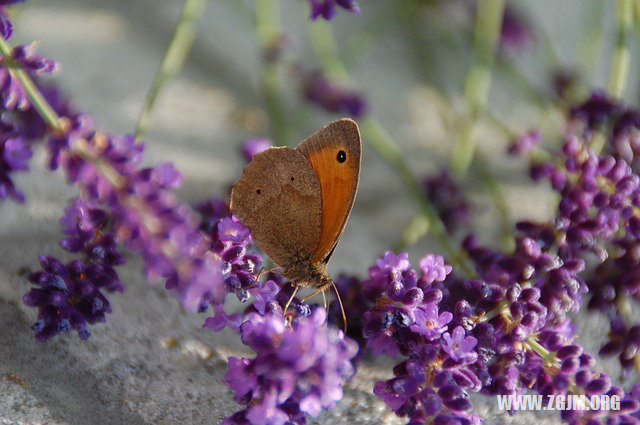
(417, 228)
(173, 60)
(636, 4)
(494, 188)
(35, 97)
(590, 47)
(388, 149)
(325, 48)
(619, 72)
(478, 82)
(548, 356)
(519, 81)
(509, 132)
(267, 26)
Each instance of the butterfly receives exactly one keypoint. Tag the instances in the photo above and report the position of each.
(296, 202)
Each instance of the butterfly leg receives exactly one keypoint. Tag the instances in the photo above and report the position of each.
(286, 307)
(324, 300)
(264, 270)
(310, 295)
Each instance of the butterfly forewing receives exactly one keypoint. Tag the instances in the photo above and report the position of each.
(334, 154)
(278, 199)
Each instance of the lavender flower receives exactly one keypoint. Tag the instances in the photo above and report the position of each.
(431, 383)
(13, 95)
(254, 146)
(327, 8)
(145, 215)
(458, 346)
(516, 34)
(230, 241)
(332, 97)
(6, 29)
(526, 142)
(429, 323)
(220, 320)
(563, 83)
(624, 340)
(70, 296)
(296, 371)
(14, 157)
(448, 199)
(22, 126)
(518, 308)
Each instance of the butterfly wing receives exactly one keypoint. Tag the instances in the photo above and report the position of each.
(278, 199)
(334, 154)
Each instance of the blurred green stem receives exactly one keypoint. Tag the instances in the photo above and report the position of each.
(591, 41)
(173, 60)
(492, 185)
(35, 97)
(621, 61)
(325, 48)
(637, 14)
(388, 149)
(267, 26)
(478, 82)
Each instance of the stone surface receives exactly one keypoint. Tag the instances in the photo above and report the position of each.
(151, 363)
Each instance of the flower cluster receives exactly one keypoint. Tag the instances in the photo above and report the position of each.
(296, 371)
(327, 8)
(70, 296)
(518, 307)
(599, 187)
(147, 218)
(230, 243)
(330, 96)
(122, 203)
(431, 384)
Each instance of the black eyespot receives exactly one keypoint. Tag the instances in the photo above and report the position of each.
(342, 156)
(258, 191)
(292, 179)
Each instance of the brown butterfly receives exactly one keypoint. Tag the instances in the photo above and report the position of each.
(296, 202)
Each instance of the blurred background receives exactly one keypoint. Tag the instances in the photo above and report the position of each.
(405, 63)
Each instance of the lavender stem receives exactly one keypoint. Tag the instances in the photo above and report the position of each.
(173, 60)
(37, 100)
(478, 82)
(619, 71)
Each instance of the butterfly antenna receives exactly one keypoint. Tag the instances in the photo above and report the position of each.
(344, 316)
(286, 307)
